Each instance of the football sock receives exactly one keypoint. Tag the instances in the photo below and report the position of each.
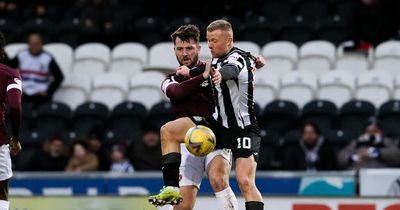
(254, 205)
(227, 199)
(4, 205)
(170, 167)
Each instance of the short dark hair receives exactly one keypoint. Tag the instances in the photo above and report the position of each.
(313, 125)
(187, 32)
(2, 44)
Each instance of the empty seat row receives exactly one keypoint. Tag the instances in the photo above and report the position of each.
(337, 86)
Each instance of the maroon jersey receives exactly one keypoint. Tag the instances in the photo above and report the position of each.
(190, 96)
(10, 94)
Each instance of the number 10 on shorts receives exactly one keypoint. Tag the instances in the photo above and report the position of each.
(244, 143)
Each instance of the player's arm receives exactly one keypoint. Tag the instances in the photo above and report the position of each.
(14, 92)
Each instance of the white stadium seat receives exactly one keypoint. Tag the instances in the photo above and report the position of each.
(396, 91)
(162, 58)
(128, 58)
(145, 88)
(247, 46)
(298, 87)
(74, 90)
(317, 56)
(63, 55)
(353, 63)
(387, 57)
(91, 59)
(13, 49)
(375, 87)
(336, 86)
(281, 57)
(204, 51)
(109, 89)
(266, 86)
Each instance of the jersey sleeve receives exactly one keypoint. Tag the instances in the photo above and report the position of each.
(170, 80)
(14, 92)
(14, 81)
(177, 90)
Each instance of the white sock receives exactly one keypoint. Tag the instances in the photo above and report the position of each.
(227, 199)
(4, 205)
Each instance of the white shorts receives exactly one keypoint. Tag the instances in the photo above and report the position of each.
(5, 162)
(193, 167)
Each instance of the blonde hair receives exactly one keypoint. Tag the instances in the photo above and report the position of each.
(220, 25)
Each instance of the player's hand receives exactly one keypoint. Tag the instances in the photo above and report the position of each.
(260, 62)
(183, 70)
(207, 71)
(216, 76)
(364, 154)
(15, 146)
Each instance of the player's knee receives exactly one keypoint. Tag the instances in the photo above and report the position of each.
(245, 183)
(219, 182)
(165, 132)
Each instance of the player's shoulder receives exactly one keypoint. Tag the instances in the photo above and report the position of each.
(8, 71)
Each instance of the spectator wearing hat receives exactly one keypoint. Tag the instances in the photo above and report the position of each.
(120, 165)
(371, 150)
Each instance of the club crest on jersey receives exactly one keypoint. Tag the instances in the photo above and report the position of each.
(204, 84)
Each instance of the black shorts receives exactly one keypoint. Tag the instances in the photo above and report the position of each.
(243, 142)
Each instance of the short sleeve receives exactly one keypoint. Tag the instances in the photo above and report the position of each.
(14, 81)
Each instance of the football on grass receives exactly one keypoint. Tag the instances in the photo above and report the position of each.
(200, 140)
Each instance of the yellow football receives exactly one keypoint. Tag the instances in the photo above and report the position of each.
(200, 140)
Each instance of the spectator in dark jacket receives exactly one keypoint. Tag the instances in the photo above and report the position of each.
(371, 150)
(41, 76)
(311, 153)
(52, 158)
(146, 155)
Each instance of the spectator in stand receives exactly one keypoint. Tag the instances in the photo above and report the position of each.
(120, 165)
(41, 76)
(371, 150)
(146, 155)
(311, 153)
(52, 158)
(81, 159)
(96, 147)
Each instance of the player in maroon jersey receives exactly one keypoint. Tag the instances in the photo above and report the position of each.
(10, 94)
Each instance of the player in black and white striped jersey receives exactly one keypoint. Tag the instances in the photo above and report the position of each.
(235, 122)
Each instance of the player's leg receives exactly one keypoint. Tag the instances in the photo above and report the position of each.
(245, 154)
(172, 134)
(218, 170)
(189, 194)
(4, 203)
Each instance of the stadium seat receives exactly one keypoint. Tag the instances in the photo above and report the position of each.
(297, 30)
(10, 29)
(338, 139)
(13, 49)
(387, 57)
(336, 86)
(375, 87)
(69, 31)
(52, 118)
(280, 116)
(317, 56)
(43, 26)
(355, 63)
(248, 46)
(109, 89)
(160, 114)
(74, 90)
(266, 86)
(313, 9)
(282, 57)
(204, 51)
(276, 10)
(162, 58)
(147, 30)
(396, 91)
(322, 113)
(127, 119)
(175, 23)
(145, 88)
(269, 151)
(63, 55)
(112, 137)
(259, 30)
(258, 110)
(128, 58)
(298, 87)
(91, 59)
(353, 116)
(389, 118)
(333, 29)
(88, 117)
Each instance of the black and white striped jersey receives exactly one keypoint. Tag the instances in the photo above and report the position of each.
(235, 97)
